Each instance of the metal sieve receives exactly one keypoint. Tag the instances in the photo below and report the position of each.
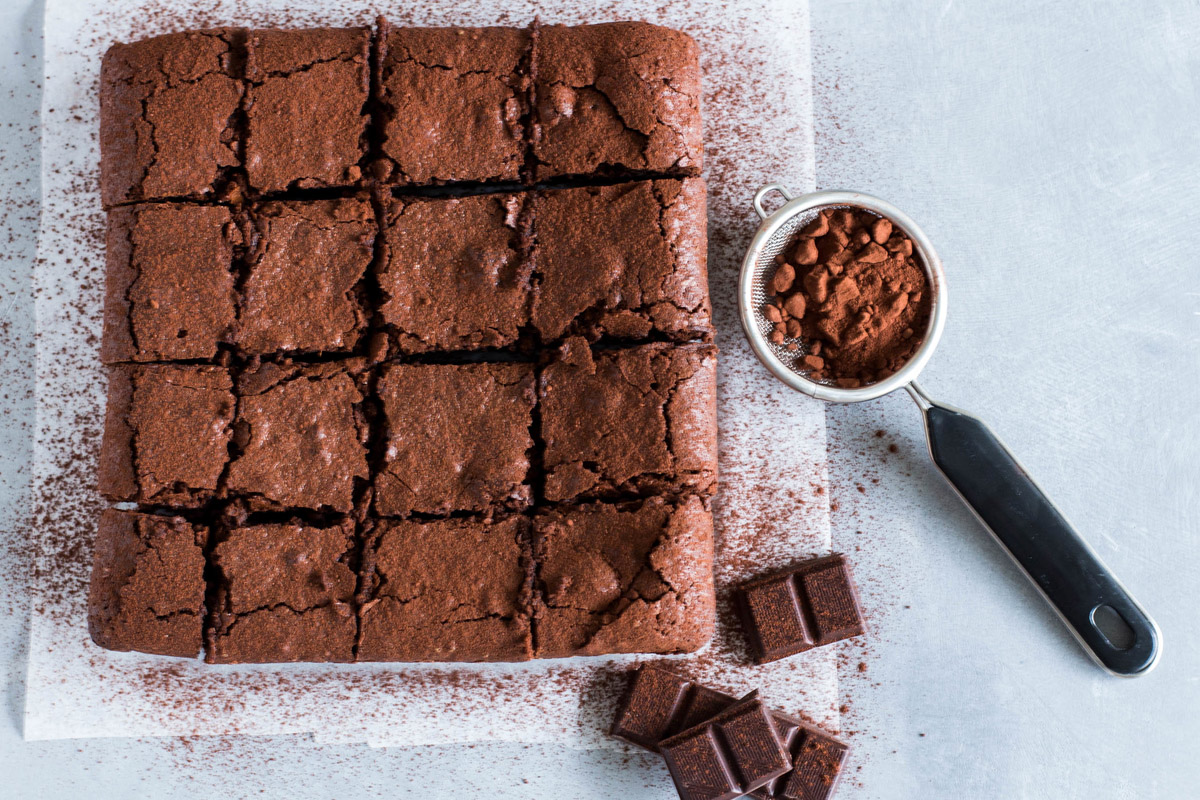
(1112, 628)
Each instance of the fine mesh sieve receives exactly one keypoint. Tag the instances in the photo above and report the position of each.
(1112, 628)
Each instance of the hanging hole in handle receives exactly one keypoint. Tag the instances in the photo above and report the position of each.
(766, 190)
(1113, 627)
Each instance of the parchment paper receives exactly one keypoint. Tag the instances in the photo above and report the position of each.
(771, 510)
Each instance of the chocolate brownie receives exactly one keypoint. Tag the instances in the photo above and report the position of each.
(170, 282)
(616, 98)
(453, 101)
(286, 593)
(454, 274)
(168, 107)
(623, 261)
(630, 578)
(447, 590)
(301, 289)
(147, 591)
(166, 434)
(300, 437)
(636, 421)
(306, 107)
(457, 438)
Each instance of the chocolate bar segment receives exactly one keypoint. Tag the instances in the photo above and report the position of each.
(660, 704)
(816, 766)
(728, 756)
(809, 606)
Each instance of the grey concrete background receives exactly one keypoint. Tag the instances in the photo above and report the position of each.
(1051, 153)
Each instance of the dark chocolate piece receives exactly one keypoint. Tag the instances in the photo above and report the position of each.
(447, 590)
(285, 593)
(616, 98)
(727, 756)
(630, 578)
(168, 107)
(631, 422)
(809, 606)
(817, 760)
(147, 590)
(306, 107)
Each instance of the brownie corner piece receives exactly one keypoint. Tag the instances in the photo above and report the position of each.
(455, 272)
(285, 593)
(618, 98)
(457, 438)
(306, 107)
(170, 282)
(447, 590)
(628, 578)
(166, 433)
(632, 421)
(453, 104)
(168, 109)
(625, 261)
(147, 586)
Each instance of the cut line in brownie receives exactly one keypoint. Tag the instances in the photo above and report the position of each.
(454, 274)
(285, 592)
(618, 98)
(306, 107)
(147, 588)
(453, 103)
(457, 438)
(447, 590)
(168, 116)
(627, 261)
(629, 422)
(627, 578)
(166, 434)
(300, 437)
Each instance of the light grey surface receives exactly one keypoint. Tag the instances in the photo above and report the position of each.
(1052, 156)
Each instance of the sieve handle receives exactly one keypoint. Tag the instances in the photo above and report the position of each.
(1026, 523)
(762, 193)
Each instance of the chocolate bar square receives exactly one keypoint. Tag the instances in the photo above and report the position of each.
(809, 606)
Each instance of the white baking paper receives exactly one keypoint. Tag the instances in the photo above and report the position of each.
(772, 508)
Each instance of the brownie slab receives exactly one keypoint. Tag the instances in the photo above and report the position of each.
(633, 578)
(166, 434)
(147, 590)
(286, 593)
(170, 291)
(454, 275)
(624, 261)
(168, 107)
(300, 438)
(301, 290)
(616, 98)
(458, 437)
(453, 102)
(306, 107)
(635, 421)
(447, 590)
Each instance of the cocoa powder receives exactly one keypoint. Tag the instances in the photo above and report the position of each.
(848, 294)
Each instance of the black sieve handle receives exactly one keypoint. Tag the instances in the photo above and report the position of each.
(1106, 620)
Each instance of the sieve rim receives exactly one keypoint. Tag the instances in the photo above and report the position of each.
(927, 259)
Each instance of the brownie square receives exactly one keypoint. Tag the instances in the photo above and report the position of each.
(168, 107)
(301, 292)
(166, 434)
(447, 590)
(147, 590)
(306, 107)
(616, 98)
(455, 274)
(453, 101)
(458, 437)
(170, 282)
(635, 421)
(286, 593)
(630, 578)
(623, 261)
(300, 438)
